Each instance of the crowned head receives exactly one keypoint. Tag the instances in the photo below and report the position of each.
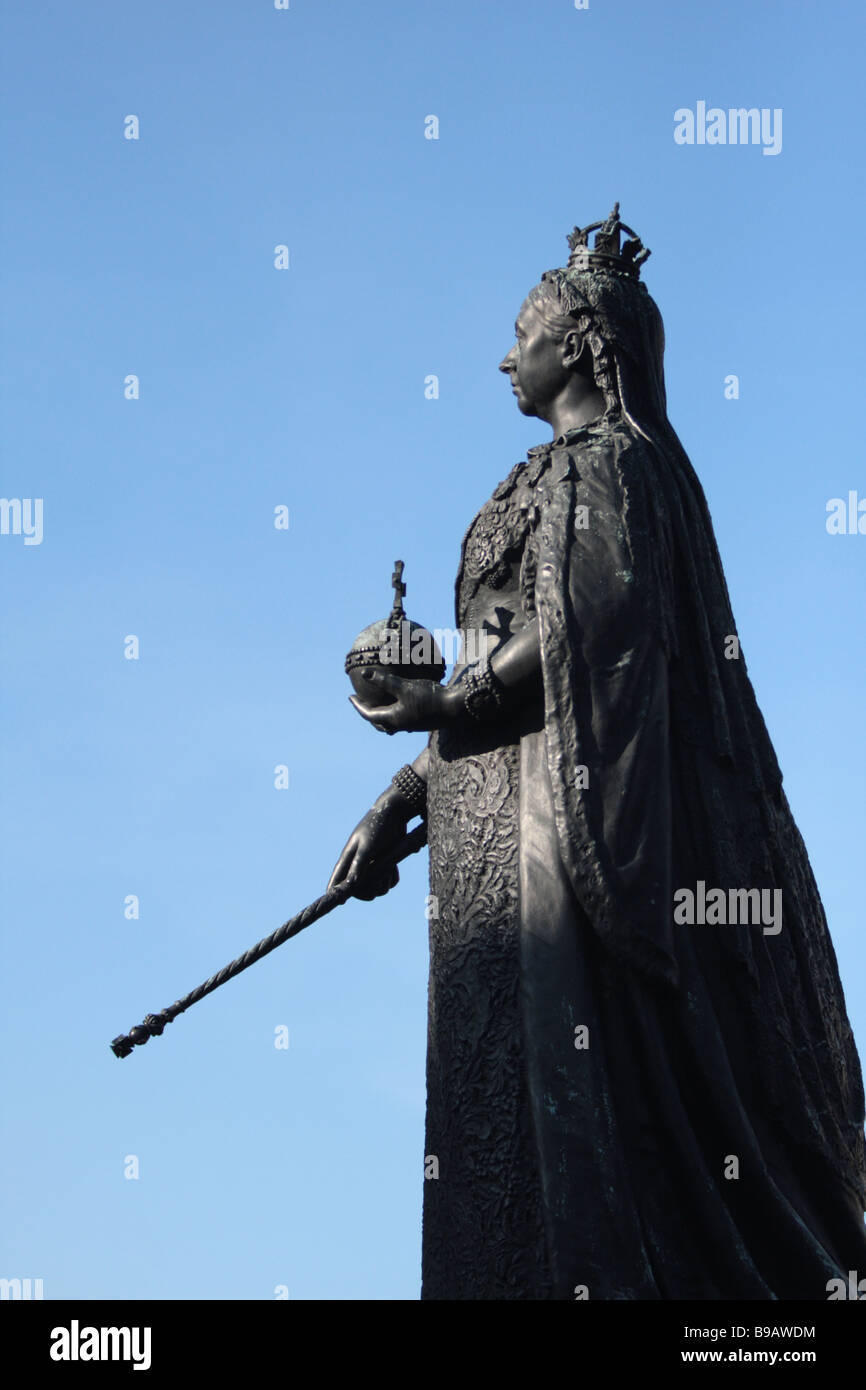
(592, 320)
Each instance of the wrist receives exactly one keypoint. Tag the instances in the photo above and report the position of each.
(483, 693)
(407, 793)
(391, 800)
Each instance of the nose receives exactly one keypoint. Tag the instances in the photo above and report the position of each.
(507, 362)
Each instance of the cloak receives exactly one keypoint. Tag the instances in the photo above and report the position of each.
(702, 1135)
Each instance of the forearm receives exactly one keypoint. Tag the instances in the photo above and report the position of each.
(517, 663)
(494, 687)
(394, 798)
(421, 763)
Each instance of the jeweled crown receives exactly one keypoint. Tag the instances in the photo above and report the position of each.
(606, 252)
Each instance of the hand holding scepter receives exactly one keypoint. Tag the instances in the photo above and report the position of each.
(153, 1024)
(368, 866)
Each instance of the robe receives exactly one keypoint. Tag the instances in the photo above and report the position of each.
(623, 1104)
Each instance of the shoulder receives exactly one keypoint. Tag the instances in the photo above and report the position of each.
(586, 507)
(604, 449)
(508, 484)
(605, 467)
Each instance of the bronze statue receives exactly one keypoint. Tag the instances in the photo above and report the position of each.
(627, 1097)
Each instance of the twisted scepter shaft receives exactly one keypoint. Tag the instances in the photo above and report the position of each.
(154, 1024)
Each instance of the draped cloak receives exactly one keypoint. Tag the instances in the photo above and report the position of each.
(623, 1105)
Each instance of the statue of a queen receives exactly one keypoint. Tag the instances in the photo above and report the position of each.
(641, 1078)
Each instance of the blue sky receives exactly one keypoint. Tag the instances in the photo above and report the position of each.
(303, 1168)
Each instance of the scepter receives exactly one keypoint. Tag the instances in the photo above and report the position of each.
(419, 659)
(154, 1024)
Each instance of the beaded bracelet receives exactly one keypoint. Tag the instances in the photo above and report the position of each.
(412, 788)
(485, 693)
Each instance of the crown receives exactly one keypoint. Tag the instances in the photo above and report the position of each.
(606, 253)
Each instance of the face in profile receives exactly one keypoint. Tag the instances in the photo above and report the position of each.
(535, 364)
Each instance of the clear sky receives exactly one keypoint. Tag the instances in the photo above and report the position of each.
(305, 387)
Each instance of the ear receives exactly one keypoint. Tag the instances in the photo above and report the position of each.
(573, 346)
(577, 355)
